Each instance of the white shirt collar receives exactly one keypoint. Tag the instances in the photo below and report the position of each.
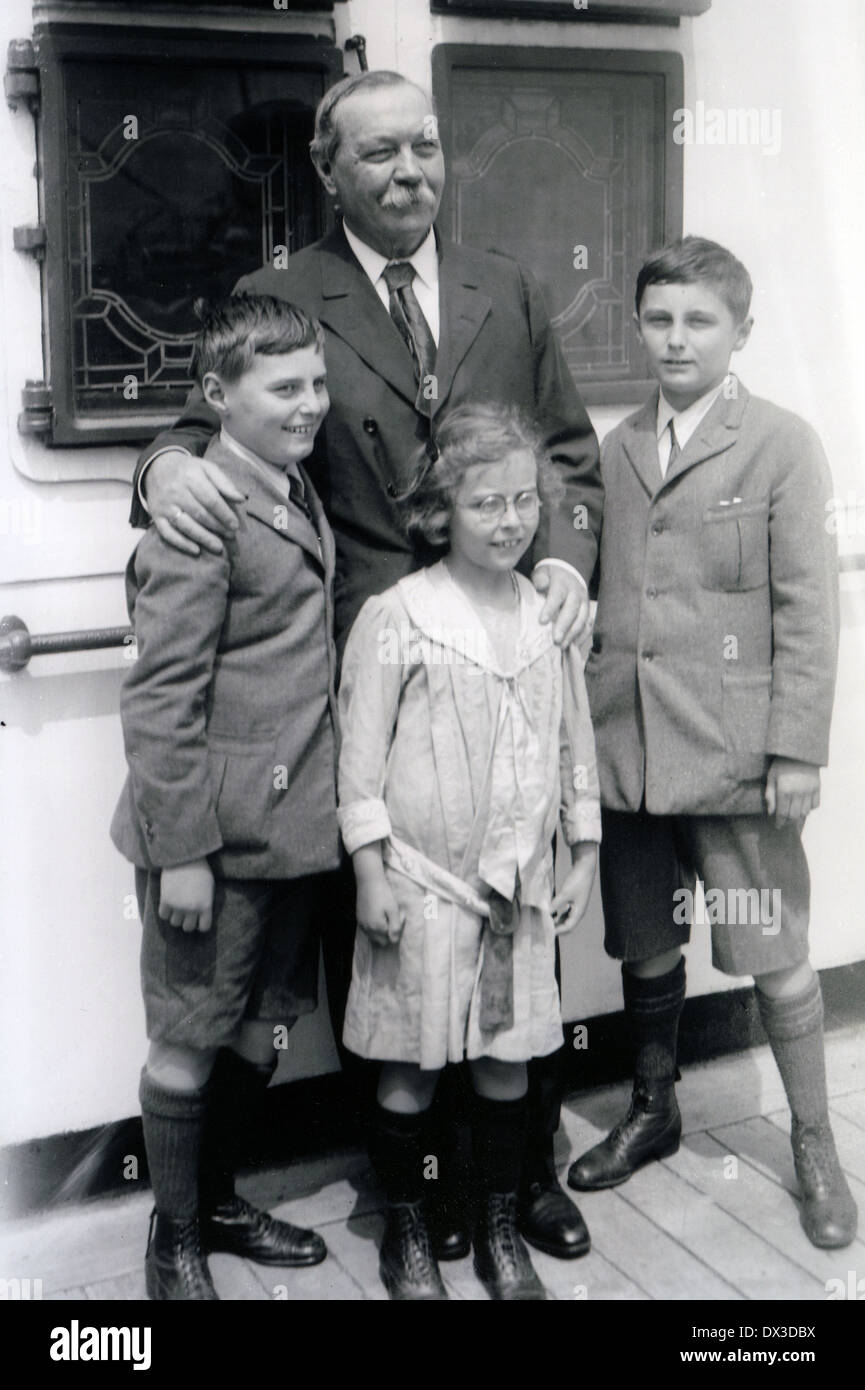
(425, 259)
(686, 421)
(274, 471)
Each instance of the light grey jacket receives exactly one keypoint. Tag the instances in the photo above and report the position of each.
(716, 635)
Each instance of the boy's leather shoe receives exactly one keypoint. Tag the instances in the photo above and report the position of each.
(551, 1222)
(502, 1262)
(236, 1227)
(651, 1129)
(174, 1266)
(406, 1262)
(828, 1214)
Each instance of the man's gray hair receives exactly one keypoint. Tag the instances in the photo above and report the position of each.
(325, 142)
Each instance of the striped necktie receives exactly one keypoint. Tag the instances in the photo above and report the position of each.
(408, 317)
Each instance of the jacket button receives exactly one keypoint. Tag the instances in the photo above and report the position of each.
(648, 656)
(651, 593)
(657, 528)
(370, 425)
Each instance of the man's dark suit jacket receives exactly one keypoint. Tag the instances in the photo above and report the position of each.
(496, 344)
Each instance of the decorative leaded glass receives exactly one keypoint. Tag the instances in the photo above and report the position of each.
(179, 175)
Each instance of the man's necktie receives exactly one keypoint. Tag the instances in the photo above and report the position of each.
(408, 317)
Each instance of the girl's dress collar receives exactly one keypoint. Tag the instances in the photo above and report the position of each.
(440, 611)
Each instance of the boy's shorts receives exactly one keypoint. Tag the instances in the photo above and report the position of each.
(754, 873)
(259, 961)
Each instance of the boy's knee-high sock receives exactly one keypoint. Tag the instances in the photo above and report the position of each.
(654, 1007)
(396, 1150)
(795, 1030)
(173, 1123)
(499, 1141)
(235, 1095)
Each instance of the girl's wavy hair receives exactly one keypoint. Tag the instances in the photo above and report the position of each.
(468, 436)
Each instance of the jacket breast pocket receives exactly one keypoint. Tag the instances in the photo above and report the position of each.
(734, 547)
(245, 797)
(747, 701)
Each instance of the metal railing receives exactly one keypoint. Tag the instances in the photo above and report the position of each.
(17, 644)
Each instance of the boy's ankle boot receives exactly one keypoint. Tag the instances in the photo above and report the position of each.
(502, 1262)
(407, 1265)
(652, 1127)
(795, 1029)
(175, 1267)
(229, 1224)
(828, 1214)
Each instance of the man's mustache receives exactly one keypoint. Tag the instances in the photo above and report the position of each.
(404, 198)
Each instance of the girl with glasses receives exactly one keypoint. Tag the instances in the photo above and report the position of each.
(465, 732)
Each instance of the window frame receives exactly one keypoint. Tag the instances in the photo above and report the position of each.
(55, 46)
(667, 12)
(667, 64)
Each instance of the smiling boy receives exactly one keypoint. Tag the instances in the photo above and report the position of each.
(711, 682)
(229, 810)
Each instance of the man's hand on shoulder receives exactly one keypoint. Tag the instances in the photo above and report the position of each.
(567, 601)
(792, 789)
(188, 499)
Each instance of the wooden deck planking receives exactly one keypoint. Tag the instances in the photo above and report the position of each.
(676, 1231)
(645, 1254)
(755, 1198)
(724, 1244)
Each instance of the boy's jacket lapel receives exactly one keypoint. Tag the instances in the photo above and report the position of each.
(640, 443)
(715, 433)
(268, 504)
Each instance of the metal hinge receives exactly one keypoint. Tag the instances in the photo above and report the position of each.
(21, 82)
(31, 239)
(37, 417)
(357, 44)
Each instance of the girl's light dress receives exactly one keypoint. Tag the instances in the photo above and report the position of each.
(460, 765)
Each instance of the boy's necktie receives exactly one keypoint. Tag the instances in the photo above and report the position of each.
(674, 448)
(297, 495)
(408, 317)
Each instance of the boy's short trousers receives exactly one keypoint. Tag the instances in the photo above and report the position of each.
(758, 871)
(259, 961)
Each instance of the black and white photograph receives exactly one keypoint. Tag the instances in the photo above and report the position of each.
(432, 645)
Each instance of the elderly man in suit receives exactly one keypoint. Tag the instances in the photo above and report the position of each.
(414, 325)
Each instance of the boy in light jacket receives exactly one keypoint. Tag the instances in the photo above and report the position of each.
(711, 683)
